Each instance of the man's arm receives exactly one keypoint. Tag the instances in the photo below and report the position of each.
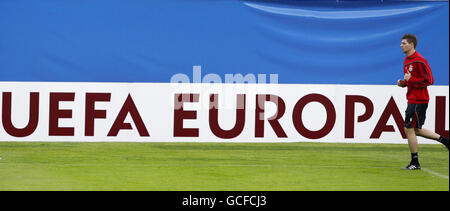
(424, 78)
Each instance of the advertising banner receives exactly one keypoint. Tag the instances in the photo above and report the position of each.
(164, 112)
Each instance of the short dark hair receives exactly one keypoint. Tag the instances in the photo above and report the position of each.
(411, 38)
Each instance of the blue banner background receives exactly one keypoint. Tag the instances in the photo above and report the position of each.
(304, 42)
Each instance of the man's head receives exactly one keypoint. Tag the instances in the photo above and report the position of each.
(409, 43)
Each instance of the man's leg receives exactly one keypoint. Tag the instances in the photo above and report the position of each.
(410, 124)
(413, 148)
(427, 134)
(432, 135)
(412, 139)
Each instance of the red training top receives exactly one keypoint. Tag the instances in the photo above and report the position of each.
(421, 77)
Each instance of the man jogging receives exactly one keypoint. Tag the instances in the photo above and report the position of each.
(417, 76)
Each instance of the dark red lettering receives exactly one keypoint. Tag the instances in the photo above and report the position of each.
(390, 110)
(180, 114)
(91, 114)
(128, 108)
(297, 116)
(350, 102)
(440, 116)
(214, 119)
(56, 114)
(32, 119)
(273, 120)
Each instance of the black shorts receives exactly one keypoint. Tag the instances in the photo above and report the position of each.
(415, 115)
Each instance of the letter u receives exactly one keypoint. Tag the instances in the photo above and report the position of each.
(32, 119)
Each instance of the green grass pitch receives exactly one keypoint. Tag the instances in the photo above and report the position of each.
(219, 167)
